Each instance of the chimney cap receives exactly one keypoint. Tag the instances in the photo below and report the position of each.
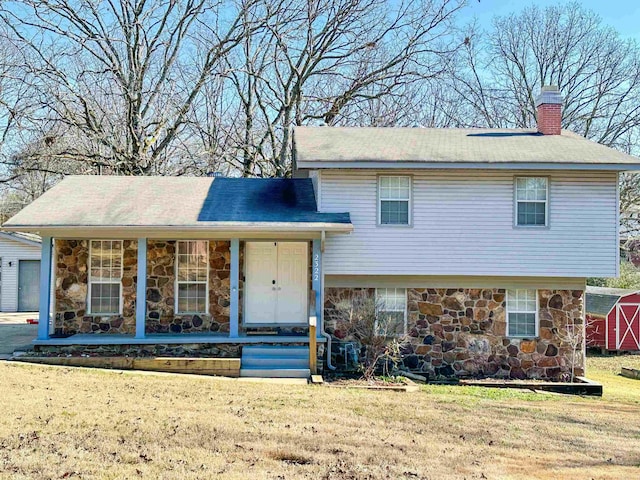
(549, 94)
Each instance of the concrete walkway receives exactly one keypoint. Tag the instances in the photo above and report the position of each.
(16, 333)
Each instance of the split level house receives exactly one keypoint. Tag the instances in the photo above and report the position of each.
(477, 241)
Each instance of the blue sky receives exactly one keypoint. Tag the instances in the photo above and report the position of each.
(623, 15)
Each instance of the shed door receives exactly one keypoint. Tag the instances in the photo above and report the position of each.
(628, 326)
(28, 285)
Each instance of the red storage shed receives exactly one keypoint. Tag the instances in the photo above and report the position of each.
(613, 319)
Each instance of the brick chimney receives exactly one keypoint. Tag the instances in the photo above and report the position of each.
(549, 104)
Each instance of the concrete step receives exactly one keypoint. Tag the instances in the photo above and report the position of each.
(275, 372)
(275, 351)
(275, 361)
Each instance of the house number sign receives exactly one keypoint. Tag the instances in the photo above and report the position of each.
(316, 267)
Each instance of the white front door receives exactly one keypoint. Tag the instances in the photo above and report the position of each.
(276, 283)
(262, 265)
(293, 280)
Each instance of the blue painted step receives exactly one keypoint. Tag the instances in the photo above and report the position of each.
(272, 361)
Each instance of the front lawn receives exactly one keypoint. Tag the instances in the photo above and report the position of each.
(74, 423)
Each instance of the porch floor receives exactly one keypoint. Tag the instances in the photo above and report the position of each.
(159, 338)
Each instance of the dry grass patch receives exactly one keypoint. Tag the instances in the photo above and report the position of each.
(74, 423)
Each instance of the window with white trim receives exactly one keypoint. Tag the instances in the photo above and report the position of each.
(522, 313)
(391, 319)
(394, 194)
(192, 275)
(532, 201)
(105, 277)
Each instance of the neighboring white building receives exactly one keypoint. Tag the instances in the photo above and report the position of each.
(19, 271)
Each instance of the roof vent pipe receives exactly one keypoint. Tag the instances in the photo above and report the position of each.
(549, 105)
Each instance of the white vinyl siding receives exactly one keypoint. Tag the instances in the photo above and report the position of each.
(105, 277)
(392, 311)
(463, 224)
(447, 281)
(11, 251)
(192, 276)
(522, 313)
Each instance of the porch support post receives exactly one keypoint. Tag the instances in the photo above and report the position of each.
(234, 310)
(316, 280)
(141, 289)
(45, 289)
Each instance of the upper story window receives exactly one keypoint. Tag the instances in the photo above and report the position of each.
(532, 198)
(522, 313)
(105, 277)
(391, 306)
(394, 194)
(192, 274)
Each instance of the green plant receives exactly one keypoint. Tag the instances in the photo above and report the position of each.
(629, 278)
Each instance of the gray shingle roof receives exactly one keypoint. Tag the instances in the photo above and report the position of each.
(450, 145)
(22, 236)
(600, 300)
(600, 304)
(173, 201)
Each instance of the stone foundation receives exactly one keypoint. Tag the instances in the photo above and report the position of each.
(222, 350)
(462, 333)
(71, 263)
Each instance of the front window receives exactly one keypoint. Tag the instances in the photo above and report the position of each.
(531, 201)
(522, 313)
(192, 275)
(391, 316)
(395, 200)
(105, 277)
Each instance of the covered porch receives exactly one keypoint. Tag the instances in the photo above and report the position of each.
(239, 305)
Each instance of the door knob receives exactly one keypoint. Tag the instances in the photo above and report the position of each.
(273, 282)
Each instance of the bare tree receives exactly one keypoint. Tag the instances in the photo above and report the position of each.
(16, 107)
(328, 61)
(597, 71)
(122, 73)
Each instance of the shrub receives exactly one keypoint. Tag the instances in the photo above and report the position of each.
(363, 319)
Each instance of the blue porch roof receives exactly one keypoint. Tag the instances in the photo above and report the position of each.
(264, 200)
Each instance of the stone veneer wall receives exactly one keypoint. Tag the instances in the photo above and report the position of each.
(223, 350)
(71, 276)
(161, 317)
(462, 332)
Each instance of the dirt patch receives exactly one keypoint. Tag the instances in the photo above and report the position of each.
(361, 382)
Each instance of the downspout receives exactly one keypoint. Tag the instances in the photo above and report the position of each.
(328, 337)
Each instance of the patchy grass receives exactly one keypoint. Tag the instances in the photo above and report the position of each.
(617, 388)
(75, 423)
